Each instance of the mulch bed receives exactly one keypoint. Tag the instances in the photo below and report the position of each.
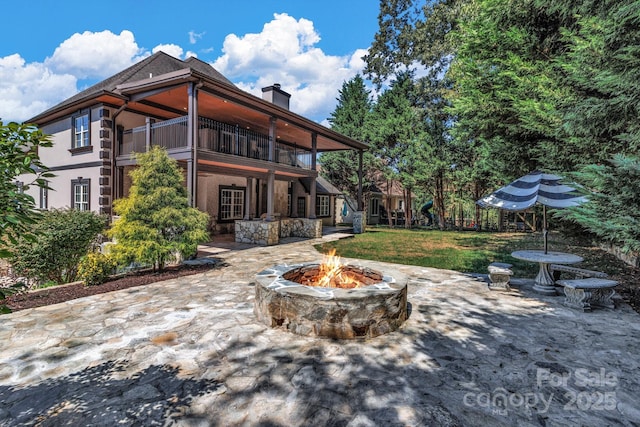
(58, 294)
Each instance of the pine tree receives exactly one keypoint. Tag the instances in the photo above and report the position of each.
(156, 221)
(349, 118)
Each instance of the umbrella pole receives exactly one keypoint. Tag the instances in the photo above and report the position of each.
(544, 227)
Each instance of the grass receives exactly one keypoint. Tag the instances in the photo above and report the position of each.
(466, 251)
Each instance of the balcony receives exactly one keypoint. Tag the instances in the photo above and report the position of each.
(213, 136)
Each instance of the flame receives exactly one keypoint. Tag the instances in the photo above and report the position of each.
(331, 274)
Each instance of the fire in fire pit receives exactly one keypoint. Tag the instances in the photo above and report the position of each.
(332, 273)
(333, 300)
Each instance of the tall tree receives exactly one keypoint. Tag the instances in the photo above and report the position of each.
(602, 66)
(156, 221)
(412, 35)
(507, 88)
(396, 129)
(19, 144)
(349, 118)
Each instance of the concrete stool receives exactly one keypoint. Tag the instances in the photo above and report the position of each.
(584, 293)
(499, 275)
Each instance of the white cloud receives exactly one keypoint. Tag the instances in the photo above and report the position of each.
(29, 89)
(171, 49)
(194, 37)
(284, 52)
(95, 55)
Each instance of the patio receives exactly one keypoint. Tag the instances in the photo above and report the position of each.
(191, 351)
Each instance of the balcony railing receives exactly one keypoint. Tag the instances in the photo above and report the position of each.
(214, 136)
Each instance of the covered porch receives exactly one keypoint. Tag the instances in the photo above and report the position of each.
(243, 146)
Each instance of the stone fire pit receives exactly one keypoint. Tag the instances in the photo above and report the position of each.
(363, 312)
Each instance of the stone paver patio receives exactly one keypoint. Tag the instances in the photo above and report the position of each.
(190, 352)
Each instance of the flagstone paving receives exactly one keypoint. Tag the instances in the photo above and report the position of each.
(189, 352)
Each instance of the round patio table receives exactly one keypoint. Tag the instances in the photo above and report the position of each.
(544, 283)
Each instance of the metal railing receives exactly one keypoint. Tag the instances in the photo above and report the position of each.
(217, 137)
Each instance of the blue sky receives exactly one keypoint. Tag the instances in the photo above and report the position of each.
(50, 50)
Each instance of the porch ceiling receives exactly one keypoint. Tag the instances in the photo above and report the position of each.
(228, 104)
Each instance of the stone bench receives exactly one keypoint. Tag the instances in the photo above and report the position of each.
(579, 273)
(499, 276)
(592, 291)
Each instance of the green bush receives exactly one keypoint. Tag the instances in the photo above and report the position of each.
(156, 221)
(62, 238)
(95, 268)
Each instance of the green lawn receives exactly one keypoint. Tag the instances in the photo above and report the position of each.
(466, 251)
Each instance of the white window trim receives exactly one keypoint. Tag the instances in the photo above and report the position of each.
(84, 202)
(236, 205)
(82, 135)
(322, 205)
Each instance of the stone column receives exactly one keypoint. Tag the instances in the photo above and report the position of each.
(359, 222)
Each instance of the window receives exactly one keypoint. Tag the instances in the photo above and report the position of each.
(375, 207)
(302, 207)
(231, 204)
(44, 196)
(80, 194)
(322, 205)
(401, 205)
(81, 131)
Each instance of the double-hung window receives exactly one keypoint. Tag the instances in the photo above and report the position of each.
(322, 205)
(80, 194)
(231, 203)
(81, 131)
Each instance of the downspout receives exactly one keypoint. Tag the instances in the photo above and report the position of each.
(196, 141)
(192, 142)
(114, 153)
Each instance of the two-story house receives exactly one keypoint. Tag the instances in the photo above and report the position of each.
(247, 161)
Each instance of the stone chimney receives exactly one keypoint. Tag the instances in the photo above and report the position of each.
(276, 95)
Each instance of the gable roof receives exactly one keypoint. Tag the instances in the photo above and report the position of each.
(323, 186)
(157, 64)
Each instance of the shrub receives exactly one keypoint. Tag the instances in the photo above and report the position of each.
(95, 268)
(156, 221)
(62, 237)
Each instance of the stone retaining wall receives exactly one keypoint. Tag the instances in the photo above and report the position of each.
(301, 227)
(258, 232)
(269, 232)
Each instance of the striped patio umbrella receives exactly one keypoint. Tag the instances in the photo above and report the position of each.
(535, 187)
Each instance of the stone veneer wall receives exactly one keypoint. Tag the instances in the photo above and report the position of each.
(359, 222)
(269, 233)
(258, 232)
(301, 227)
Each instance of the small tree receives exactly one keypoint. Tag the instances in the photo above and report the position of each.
(19, 145)
(62, 238)
(156, 221)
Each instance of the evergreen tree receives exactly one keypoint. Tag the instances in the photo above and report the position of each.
(507, 89)
(612, 210)
(156, 221)
(349, 118)
(396, 130)
(413, 35)
(602, 65)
